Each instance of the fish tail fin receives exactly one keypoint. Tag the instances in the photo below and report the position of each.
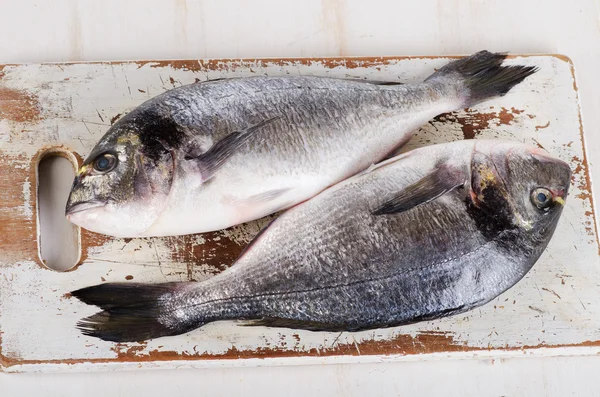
(133, 312)
(481, 76)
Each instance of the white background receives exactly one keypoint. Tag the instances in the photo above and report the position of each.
(71, 30)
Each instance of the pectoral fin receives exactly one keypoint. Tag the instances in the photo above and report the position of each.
(261, 198)
(213, 159)
(435, 184)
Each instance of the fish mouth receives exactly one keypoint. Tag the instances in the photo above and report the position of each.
(73, 208)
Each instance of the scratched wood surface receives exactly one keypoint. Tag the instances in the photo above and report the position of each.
(66, 108)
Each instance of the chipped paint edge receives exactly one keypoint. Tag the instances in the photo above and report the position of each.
(330, 62)
(582, 350)
(53, 151)
(584, 148)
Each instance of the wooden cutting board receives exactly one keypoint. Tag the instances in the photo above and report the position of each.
(66, 108)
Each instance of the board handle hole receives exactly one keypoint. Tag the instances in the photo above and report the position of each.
(59, 241)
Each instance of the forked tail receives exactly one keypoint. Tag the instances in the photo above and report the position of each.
(133, 312)
(481, 76)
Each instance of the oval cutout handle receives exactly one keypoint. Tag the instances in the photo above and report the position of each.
(58, 239)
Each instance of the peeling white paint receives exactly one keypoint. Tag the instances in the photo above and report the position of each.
(27, 209)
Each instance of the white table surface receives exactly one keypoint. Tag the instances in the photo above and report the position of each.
(71, 30)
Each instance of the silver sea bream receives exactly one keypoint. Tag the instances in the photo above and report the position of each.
(214, 154)
(431, 233)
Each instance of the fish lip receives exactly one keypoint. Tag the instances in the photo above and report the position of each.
(73, 208)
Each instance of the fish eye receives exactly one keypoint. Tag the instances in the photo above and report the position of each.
(541, 198)
(105, 162)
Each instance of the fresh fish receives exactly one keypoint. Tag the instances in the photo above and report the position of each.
(431, 233)
(214, 154)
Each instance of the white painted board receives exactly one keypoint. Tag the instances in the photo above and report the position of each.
(552, 311)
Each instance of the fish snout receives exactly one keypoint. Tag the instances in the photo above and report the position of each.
(558, 171)
(559, 196)
(82, 196)
(75, 207)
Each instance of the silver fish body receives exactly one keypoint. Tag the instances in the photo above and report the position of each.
(434, 232)
(214, 154)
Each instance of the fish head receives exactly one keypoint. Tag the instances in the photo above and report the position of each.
(120, 189)
(519, 186)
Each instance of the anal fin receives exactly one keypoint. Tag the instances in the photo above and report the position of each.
(291, 323)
